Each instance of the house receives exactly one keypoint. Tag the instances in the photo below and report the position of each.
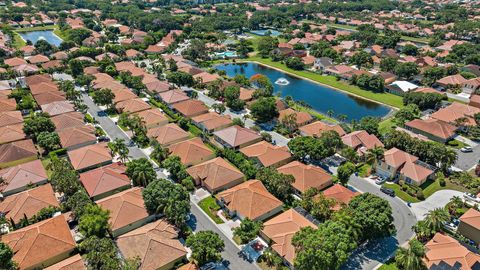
(322, 63)
(127, 211)
(341, 194)
(19, 177)
(12, 133)
(338, 70)
(168, 134)
(28, 203)
(250, 200)
(236, 137)
(17, 152)
(267, 154)
(444, 252)
(399, 88)
(8, 104)
(173, 96)
(73, 263)
(301, 118)
(474, 101)
(192, 152)
(452, 81)
(211, 121)
(157, 245)
(49, 97)
(41, 244)
(361, 141)
(215, 175)
(470, 225)
(58, 107)
(280, 230)
(306, 176)
(153, 118)
(89, 157)
(105, 181)
(123, 95)
(132, 106)
(190, 108)
(76, 137)
(433, 129)
(456, 112)
(316, 129)
(206, 77)
(10, 118)
(471, 86)
(68, 120)
(397, 164)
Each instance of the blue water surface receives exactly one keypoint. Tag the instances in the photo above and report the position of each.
(47, 35)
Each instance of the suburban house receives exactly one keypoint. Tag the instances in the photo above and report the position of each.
(173, 96)
(27, 203)
(105, 181)
(322, 63)
(10, 118)
(77, 137)
(157, 245)
(73, 263)
(280, 230)
(306, 176)
(153, 118)
(452, 81)
(12, 133)
(471, 86)
(267, 154)
(236, 137)
(251, 200)
(41, 244)
(58, 107)
(89, 157)
(18, 178)
(339, 193)
(433, 129)
(132, 106)
(397, 164)
(361, 141)
(400, 87)
(68, 120)
(301, 118)
(216, 175)
(168, 134)
(190, 108)
(211, 121)
(17, 152)
(127, 211)
(192, 151)
(316, 129)
(470, 225)
(455, 112)
(444, 252)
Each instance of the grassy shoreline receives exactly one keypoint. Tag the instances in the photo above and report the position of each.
(19, 42)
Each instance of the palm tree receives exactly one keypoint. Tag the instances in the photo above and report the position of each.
(374, 155)
(118, 147)
(435, 219)
(411, 258)
(455, 202)
(330, 113)
(159, 152)
(141, 175)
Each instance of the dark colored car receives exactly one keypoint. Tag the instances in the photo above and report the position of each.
(388, 191)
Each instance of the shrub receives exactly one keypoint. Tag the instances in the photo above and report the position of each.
(188, 183)
(420, 195)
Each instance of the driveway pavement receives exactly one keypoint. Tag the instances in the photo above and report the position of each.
(467, 161)
(436, 200)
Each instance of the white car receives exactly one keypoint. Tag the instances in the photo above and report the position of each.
(466, 149)
(471, 197)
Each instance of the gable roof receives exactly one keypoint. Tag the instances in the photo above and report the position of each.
(396, 157)
(190, 107)
(191, 151)
(40, 243)
(28, 203)
(236, 135)
(10, 118)
(280, 231)
(17, 150)
(435, 127)
(90, 155)
(306, 176)
(267, 153)
(58, 107)
(455, 111)
(104, 179)
(361, 141)
(443, 249)
(21, 175)
(215, 173)
(168, 134)
(125, 207)
(249, 199)
(11, 133)
(70, 137)
(73, 263)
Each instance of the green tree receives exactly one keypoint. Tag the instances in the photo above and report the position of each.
(294, 63)
(77, 203)
(180, 78)
(406, 70)
(435, 219)
(369, 124)
(104, 97)
(410, 49)
(159, 153)
(317, 204)
(39, 122)
(232, 97)
(362, 59)
(196, 51)
(6, 257)
(174, 165)
(279, 184)
(411, 258)
(206, 246)
(264, 109)
(244, 47)
(433, 74)
(219, 108)
(388, 64)
(141, 172)
(118, 147)
(345, 171)
(266, 45)
(49, 141)
(248, 230)
(63, 177)
(94, 221)
(100, 253)
(407, 113)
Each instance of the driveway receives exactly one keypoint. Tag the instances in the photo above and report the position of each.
(467, 161)
(437, 200)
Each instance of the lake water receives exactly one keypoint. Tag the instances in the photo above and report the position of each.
(47, 35)
(320, 98)
(263, 32)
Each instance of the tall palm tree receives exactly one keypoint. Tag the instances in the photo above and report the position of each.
(374, 155)
(159, 152)
(118, 147)
(411, 258)
(435, 219)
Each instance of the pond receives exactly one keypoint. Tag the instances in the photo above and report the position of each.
(46, 35)
(263, 32)
(321, 98)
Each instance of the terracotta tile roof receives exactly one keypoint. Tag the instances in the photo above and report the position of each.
(58, 107)
(122, 95)
(250, 199)
(435, 127)
(173, 96)
(38, 78)
(40, 243)
(456, 79)
(43, 87)
(110, 84)
(153, 117)
(28, 203)
(318, 127)
(105, 179)
(212, 120)
(22, 175)
(49, 97)
(206, 77)
(267, 153)
(156, 244)
(15, 61)
(36, 59)
(90, 155)
(215, 173)
(472, 218)
(192, 151)
(68, 120)
(361, 141)
(75, 136)
(132, 105)
(455, 111)
(125, 207)
(191, 107)
(17, 150)
(168, 134)
(10, 118)
(428, 90)
(157, 86)
(60, 55)
(73, 263)
(281, 229)
(7, 105)
(236, 135)
(339, 193)
(246, 94)
(11, 133)
(306, 176)
(302, 118)
(396, 157)
(443, 249)
(189, 266)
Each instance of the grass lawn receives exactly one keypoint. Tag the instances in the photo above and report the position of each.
(386, 125)
(431, 187)
(36, 28)
(318, 115)
(364, 170)
(385, 98)
(388, 266)
(400, 193)
(18, 41)
(456, 144)
(194, 130)
(210, 206)
(46, 162)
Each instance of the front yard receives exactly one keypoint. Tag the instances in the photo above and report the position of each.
(210, 206)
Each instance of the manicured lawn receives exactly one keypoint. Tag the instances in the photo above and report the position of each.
(431, 187)
(46, 162)
(456, 144)
(210, 206)
(364, 170)
(385, 98)
(400, 193)
(18, 41)
(36, 28)
(386, 125)
(318, 115)
(388, 266)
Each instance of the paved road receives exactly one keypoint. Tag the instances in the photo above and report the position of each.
(436, 200)
(199, 220)
(371, 255)
(467, 161)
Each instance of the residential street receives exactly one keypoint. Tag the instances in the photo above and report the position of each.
(437, 200)
(199, 220)
(467, 161)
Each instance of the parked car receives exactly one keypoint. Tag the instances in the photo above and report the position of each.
(103, 139)
(388, 191)
(466, 149)
(380, 180)
(209, 266)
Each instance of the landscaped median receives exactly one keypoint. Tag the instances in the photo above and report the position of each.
(384, 98)
(210, 206)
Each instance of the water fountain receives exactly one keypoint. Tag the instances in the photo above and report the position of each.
(282, 81)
